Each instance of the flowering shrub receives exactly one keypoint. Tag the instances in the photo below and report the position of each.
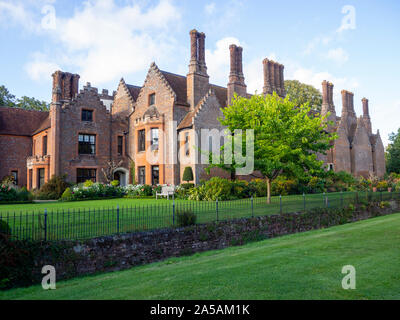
(139, 190)
(96, 191)
(283, 186)
(9, 193)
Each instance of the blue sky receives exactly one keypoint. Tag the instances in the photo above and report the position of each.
(108, 39)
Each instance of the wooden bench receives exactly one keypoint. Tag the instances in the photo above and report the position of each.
(166, 191)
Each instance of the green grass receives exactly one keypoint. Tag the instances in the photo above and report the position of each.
(88, 219)
(300, 266)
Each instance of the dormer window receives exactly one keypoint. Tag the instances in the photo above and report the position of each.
(87, 115)
(152, 99)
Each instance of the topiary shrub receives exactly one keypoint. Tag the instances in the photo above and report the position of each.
(67, 195)
(185, 218)
(187, 174)
(54, 188)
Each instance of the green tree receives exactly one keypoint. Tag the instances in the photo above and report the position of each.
(8, 100)
(287, 136)
(187, 174)
(32, 104)
(393, 153)
(301, 93)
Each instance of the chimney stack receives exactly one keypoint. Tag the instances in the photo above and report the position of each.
(282, 80)
(236, 77)
(273, 78)
(197, 78)
(325, 93)
(327, 102)
(365, 107)
(366, 117)
(65, 86)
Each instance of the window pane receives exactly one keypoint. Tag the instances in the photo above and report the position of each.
(87, 144)
(155, 174)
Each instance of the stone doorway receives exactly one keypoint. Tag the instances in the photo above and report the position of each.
(122, 175)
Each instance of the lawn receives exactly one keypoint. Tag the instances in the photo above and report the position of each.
(300, 266)
(87, 219)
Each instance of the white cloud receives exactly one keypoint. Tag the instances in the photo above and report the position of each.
(210, 8)
(39, 69)
(15, 13)
(103, 41)
(338, 55)
(218, 60)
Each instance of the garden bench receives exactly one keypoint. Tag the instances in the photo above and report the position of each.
(166, 192)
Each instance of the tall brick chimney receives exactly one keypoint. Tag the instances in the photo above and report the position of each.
(65, 86)
(347, 102)
(327, 101)
(269, 82)
(197, 78)
(366, 117)
(273, 78)
(236, 78)
(282, 80)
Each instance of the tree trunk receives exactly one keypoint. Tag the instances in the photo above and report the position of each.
(233, 175)
(268, 191)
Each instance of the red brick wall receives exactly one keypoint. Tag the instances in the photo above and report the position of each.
(14, 150)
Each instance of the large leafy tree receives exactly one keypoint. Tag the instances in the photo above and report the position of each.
(287, 136)
(8, 100)
(393, 153)
(301, 93)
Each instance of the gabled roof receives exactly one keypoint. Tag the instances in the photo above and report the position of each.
(133, 90)
(221, 95)
(178, 85)
(22, 122)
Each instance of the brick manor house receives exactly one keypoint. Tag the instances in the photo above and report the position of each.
(84, 130)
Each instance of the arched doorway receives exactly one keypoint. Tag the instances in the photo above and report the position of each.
(122, 175)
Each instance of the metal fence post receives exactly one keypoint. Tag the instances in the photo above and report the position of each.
(173, 210)
(117, 218)
(280, 204)
(304, 202)
(216, 207)
(327, 200)
(252, 208)
(45, 224)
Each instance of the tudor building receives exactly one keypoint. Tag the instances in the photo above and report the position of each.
(153, 130)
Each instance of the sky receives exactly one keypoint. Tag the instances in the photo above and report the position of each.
(354, 44)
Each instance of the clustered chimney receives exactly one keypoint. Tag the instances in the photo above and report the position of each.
(65, 86)
(347, 102)
(236, 77)
(197, 52)
(273, 78)
(197, 78)
(327, 101)
(366, 117)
